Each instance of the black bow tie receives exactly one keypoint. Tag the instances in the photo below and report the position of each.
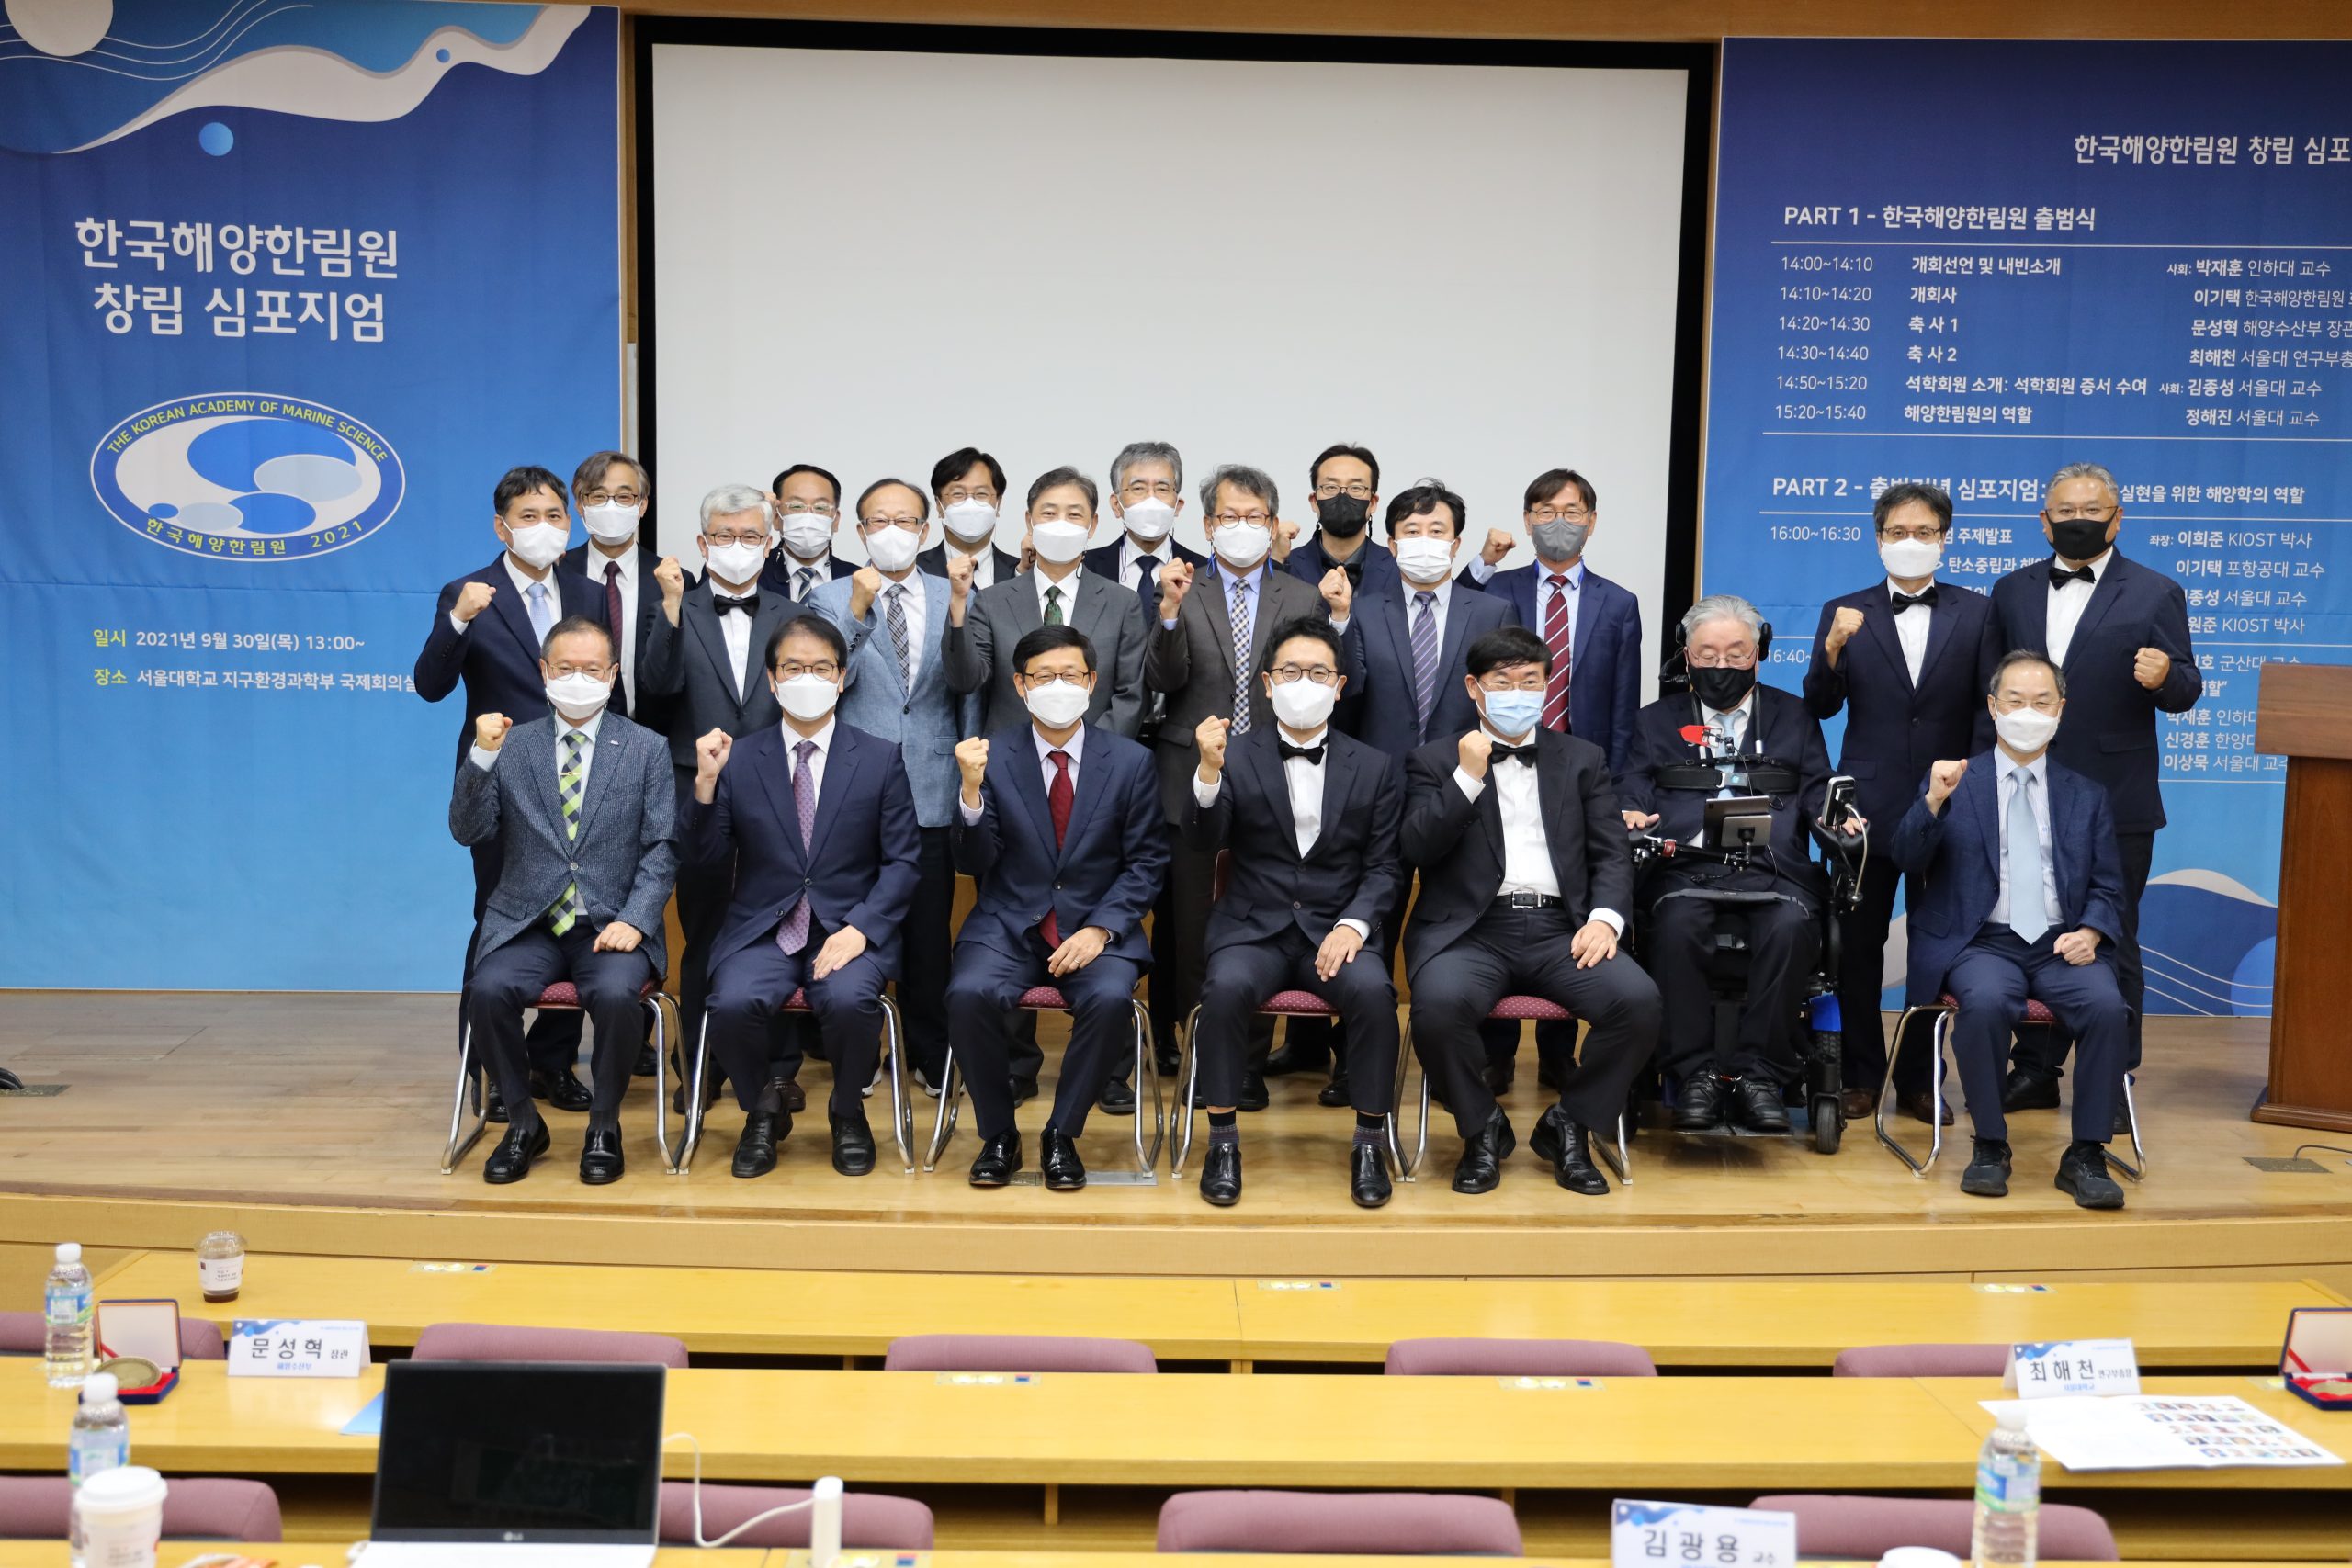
(749, 604)
(2059, 576)
(1313, 754)
(1513, 754)
(1904, 600)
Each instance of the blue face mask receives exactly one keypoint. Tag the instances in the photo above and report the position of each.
(1514, 712)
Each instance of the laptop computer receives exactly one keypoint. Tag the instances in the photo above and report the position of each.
(516, 1464)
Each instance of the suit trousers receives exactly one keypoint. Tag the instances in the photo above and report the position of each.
(925, 950)
(704, 893)
(1179, 939)
(1861, 980)
(749, 990)
(981, 998)
(510, 978)
(1783, 942)
(1526, 953)
(1240, 978)
(554, 1041)
(2045, 1050)
(1991, 980)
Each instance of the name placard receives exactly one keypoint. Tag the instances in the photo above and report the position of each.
(298, 1347)
(1649, 1535)
(2072, 1367)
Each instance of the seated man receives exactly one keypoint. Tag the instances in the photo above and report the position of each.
(2024, 891)
(1059, 824)
(1730, 735)
(582, 804)
(818, 822)
(1310, 816)
(1525, 878)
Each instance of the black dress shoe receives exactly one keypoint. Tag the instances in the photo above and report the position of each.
(561, 1089)
(755, 1150)
(1117, 1098)
(853, 1144)
(1757, 1104)
(493, 1103)
(1987, 1175)
(1572, 1164)
(599, 1156)
(794, 1098)
(997, 1160)
(1480, 1168)
(1221, 1175)
(1917, 1107)
(1291, 1059)
(2029, 1089)
(1367, 1175)
(511, 1160)
(1253, 1092)
(2123, 1120)
(1335, 1093)
(647, 1063)
(1500, 1076)
(1544, 1141)
(1700, 1107)
(1164, 1058)
(1023, 1090)
(2082, 1171)
(1064, 1173)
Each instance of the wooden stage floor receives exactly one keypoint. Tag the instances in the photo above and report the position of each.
(313, 1123)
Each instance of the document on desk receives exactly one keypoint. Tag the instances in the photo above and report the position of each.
(2161, 1432)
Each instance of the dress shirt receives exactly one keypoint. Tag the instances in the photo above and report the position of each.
(2006, 770)
(1911, 629)
(1443, 589)
(1739, 722)
(523, 585)
(983, 561)
(735, 629)
(2067, 602)
(1305, 780)
(1527, 849)
(1068, 585)
(1221, 577)
(1482, 572)
(1131, 561)
(1071, 748)
(912, 604)
(624, 635)
(486, 759)
(793, 566)
(825, 742)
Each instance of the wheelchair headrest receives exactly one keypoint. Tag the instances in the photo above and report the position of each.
(1673, 670)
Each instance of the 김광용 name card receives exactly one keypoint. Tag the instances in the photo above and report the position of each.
(298, 1347)
(1648, 1535)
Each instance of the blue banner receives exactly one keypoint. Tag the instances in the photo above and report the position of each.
(288, 289)
(1968, 262)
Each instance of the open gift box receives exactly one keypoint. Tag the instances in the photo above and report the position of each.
(2316, 1361)
(132, 1332)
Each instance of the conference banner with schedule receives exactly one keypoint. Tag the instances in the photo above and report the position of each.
(1968, 262)
(288, 289)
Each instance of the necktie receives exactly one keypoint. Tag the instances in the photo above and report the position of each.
(1312, 753)
(1058, 801)
(2059, 576)
(804, 583)
(1513, 754)
(570, 781)
(613, 613)
(1147, 579)
(1054, 606)
(1556, 638)
(748, 605)
(2028, 916)
(1424, 656)
(792, 934)
(895, 615)
(540, 619)
(1904, 600)
(1239, 616)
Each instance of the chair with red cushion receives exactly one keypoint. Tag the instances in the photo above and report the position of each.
(1922, 1362)
(1049, 998)
(1509, 1010)
(694, 1094)
(1016, 1353)
(1282, 1004)
(195, 1508)
(1868, 1527)
(562, 997)
(1385, 1524)
(516, 1342)
(1942, 1011)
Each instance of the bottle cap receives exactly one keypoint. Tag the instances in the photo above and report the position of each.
(2010, 1420)
(69, 1252)
(99, 1386)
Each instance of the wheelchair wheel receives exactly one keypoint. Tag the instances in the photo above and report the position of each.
(1828, 1124)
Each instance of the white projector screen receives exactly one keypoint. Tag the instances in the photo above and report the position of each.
(867, 259)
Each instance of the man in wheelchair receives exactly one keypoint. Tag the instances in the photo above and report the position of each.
(1757, 754)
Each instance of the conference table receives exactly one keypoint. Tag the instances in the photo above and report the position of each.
(330, 1554)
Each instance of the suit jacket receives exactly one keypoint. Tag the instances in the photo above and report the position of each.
(497, 656)
(1894, 729)
(626, 857)
(1458, 842)
(687, 665)
(1102, 560)
(979, 653)
(1378, 704)
(776, 577)
(1193, 662)
(1604, 656)
(1107, 870)
(1352, 873)
(649, 712)
(933, 562)
(1778, 728)
(1308, 561)
(925, 723)
(2109, 732)
(861, 866)
(1954, 857)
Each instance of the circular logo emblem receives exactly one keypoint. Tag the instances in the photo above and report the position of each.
(245, 476)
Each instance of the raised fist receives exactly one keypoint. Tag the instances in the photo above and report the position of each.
(960, 567)
(670, 579)
(1475, 747)
(1285, 534)
(1338, 592)
(1498, 545)
(473, 599)
(1843, 625)
(972, 762)
(864, 585)
(2149, 666)
(1175, 581)
(711, 752)
(1210, 739)
(1943, 779)
(490, 730)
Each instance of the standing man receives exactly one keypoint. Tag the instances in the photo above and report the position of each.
(1909, 661)
(497, 657)
(2119, 632)
(611, 490)
(967, 485)
(1343, 486)
(807, 503)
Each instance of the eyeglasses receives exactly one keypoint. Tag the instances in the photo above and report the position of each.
(813, 508)
(2011, 703)
(1744, 659)
(1142, 490)
(1321, 675)
(1330, 489)
(1227, 519)
(954, 493)
(913, 524)
(2087, 513)
(1047, 677)
(564, 670)
(1926, 531)
(824, 668)
(1531, 679)
(625, 497)
(1558, 515)
(718, 540)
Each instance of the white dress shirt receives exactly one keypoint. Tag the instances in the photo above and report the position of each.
(523, 586)
(912, 604)
(1305, 780)
(793, 566)
(824, 743)
(2067, 602)
(1068, 585)
(1482, 572)
(1444, 590)
(1131, 560)
(735, 630)
(1527, 849)
(486, 759)
(1911, 627)
(1072, 748)
(2006, 772)
(624, 635)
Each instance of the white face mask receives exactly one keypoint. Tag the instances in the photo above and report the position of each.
(892, 548)
(1911, 558)
(578, 696)
(807, 697)
(610, 523)
(807, 535)
(1303, 705)
(970, 521)
(1057, 703)
(2026, 729)
(735, 563)
(1148, 519)
(1242, 544)
(1059, 542)
(538, 545)
(1424, 559)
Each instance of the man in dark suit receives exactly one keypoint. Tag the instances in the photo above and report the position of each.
(1058, 823)
(1310, 817)
(1908, 660)
(611, 490)
(1525, 884)
(1729, 715)
(1344, 488)
(968, 486)
(1202, 653)
(817, 822)
(2023, 898)
(496, 658)
(807, 503)
(579, 803)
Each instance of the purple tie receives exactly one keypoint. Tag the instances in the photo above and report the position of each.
(792, 934)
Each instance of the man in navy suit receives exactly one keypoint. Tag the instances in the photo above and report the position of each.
(816, 819)
(611, 490)
(1908, 660)
(1061, 825)
(1343, 487)
(807, 501)
(496, 656)
(2120, 633)
(968, 486)
(2023, 898)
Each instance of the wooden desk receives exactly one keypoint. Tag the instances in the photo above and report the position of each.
(797, 1559)
(331, 1554)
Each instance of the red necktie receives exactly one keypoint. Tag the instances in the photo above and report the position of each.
(1555, 637)
(1058, 801)
(613, 625)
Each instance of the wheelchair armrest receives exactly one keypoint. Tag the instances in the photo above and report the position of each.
(1842, 858)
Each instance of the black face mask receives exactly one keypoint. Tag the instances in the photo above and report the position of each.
(1342, 516)
(1721, 689)
(2078, 538)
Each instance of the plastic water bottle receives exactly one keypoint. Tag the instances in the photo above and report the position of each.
(2008, 1497)
(67, 1307)
(101, 1437)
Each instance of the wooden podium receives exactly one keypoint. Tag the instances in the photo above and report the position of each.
(2305, 713)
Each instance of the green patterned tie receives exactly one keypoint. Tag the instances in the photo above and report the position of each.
(1053, 606)
(570, 780)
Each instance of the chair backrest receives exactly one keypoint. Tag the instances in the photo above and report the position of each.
(503, 1342)
(1015, 1353)
(1868, 1527)
(869, 1520)
(1519, 1359)
(26, 1334)
(1406, 1524)
(1922, 1362)
(41, 1508)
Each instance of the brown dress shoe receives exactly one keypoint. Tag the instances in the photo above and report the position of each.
(1916, 1107)
(1857, 1103)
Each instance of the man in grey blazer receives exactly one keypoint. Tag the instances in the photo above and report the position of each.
(897, 689)
(583, 808)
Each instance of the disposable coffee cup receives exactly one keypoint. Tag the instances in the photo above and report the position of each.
(118, 1517)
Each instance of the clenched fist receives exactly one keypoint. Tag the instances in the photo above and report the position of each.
(1175, 581)
(1943, 779)
(1846, 622)
(1475, 747)
(960, 567)
(2149, 666)
(490, 730)
(864, 585)
(972, 762)
(1210, 741)
(1338, 592)
(670, 579)
(1285, 534)
(473, 599)
(1498, 545)
(711, 753)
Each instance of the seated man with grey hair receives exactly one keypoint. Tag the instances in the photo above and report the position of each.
(1728, 723)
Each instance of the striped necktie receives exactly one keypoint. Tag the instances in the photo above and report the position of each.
(1239, 616)
(1424, 656)
(570, 783)
(1556, 638)
(896, 618)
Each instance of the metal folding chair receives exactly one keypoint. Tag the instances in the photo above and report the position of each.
(1049, 998)
(1282, 1004)
(562, 997)
(1511, 1009)
(902, 1115)
(1943, 1010)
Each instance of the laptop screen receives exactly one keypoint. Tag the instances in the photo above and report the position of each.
(509, 1451)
